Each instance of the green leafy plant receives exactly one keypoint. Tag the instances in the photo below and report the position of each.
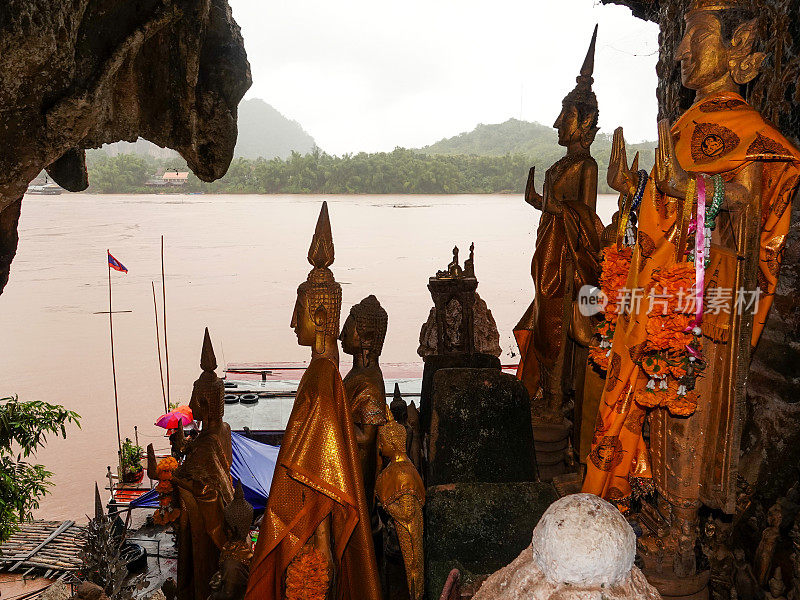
(130, 460)
(24, 427)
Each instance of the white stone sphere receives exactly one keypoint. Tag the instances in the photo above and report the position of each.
(583, 540)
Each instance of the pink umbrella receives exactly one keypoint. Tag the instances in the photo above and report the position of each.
(171, 420)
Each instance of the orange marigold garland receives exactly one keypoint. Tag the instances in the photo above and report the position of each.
(672, 349)
(166, 513)
(613, 276)
(307, 576)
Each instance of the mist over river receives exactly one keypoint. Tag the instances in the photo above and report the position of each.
(233, 263)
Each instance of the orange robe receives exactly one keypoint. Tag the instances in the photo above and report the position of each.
(719, 135)
(318, 474)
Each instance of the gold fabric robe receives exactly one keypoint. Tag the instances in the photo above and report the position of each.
(317, 474)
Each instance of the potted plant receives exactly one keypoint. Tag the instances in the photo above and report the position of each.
(130, 462)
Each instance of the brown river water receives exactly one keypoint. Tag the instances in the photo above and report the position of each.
(233, 263)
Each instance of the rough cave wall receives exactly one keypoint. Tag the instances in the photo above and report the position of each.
(76, 74)
(771, 436)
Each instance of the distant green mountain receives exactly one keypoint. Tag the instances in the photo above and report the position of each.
(536, 141)
(265, 132)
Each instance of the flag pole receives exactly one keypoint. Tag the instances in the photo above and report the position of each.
(113, 363)
(164, 302)
(158, 347)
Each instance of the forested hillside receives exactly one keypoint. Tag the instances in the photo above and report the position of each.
(266, 133)
(536, 141)
(489, 159)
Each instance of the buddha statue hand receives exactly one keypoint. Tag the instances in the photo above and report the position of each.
(532, 197)
(670, 177)
(621, 178)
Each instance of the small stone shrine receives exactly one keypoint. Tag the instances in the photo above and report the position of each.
(453, 319)
(483, 496)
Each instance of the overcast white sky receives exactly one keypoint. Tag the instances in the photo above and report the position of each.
(375, 74)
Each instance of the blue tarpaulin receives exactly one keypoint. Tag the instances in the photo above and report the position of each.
(253, 465)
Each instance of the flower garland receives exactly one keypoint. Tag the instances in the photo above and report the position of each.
(167, 512)
(614, 265)
(613, 275)
(672, 356)
(307, 576)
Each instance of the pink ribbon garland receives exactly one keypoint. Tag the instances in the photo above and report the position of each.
(698, 227)
(700, 249)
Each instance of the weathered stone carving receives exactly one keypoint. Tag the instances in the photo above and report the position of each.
(78, 74)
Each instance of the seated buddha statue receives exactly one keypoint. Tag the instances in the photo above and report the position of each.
(315, 539)
(362, 337)
(552, 334)
(402, 494)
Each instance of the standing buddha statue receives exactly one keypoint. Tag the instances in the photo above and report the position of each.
(362, 336)
(402, 494)
(203, 483)
(315, 539)
(713, 218)
(565, 259)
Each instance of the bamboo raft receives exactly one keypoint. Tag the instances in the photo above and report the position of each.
(50, 548)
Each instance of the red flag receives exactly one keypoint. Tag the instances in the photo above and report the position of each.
(115, 264)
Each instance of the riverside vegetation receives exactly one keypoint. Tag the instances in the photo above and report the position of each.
(489, 159)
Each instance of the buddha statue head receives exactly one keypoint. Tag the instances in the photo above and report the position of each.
(577, 122)
(207, 402)
(315, 318)
(717, 49)
(238, 516)
(364, 330)
(398, 406)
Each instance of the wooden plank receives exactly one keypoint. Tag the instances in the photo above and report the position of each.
(63, 527)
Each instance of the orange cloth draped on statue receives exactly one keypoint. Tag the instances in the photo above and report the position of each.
(318, 473)
(565, 258)
(719, 135)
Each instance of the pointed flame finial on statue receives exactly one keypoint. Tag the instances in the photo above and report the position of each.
(588, 63)
(320, 254)
(208, 361)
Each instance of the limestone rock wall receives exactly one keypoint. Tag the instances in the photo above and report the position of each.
(75, 74)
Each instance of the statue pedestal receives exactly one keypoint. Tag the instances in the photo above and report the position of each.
(551, 441)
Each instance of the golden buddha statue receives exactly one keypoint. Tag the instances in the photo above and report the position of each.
(401, 492)
(203, 483)
(552, 334)
(713, 218)
(315, 539)
(362, 336)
